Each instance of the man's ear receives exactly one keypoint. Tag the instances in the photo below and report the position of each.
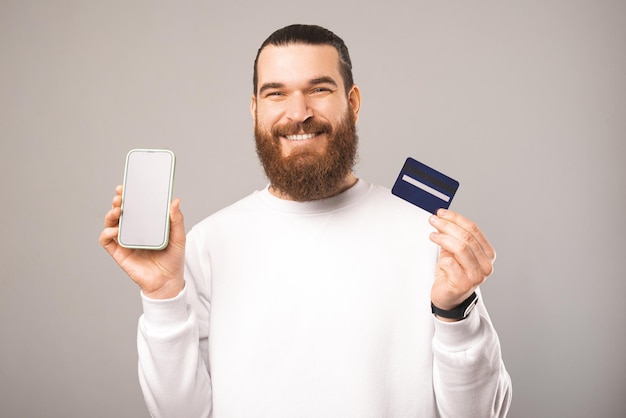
(253, 107)
(354, 100)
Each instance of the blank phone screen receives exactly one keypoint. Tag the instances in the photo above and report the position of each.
(146, 198)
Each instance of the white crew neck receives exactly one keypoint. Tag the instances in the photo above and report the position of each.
(359, 190)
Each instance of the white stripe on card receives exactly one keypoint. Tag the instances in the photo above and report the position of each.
(426, 188)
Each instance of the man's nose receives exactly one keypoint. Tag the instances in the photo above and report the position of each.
(298, 108)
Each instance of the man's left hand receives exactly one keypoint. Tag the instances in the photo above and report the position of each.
(465, 258)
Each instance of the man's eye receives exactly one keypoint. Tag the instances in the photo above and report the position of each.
(322, 91)
(274, 94)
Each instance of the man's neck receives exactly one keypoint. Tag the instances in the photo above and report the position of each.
(348, 182)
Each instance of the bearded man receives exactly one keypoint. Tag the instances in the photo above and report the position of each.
(312, 297)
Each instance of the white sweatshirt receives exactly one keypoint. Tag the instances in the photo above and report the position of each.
(316, 309)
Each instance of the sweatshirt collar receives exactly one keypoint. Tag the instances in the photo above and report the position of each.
(359, 190)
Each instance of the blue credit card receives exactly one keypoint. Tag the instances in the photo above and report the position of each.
(424, 186)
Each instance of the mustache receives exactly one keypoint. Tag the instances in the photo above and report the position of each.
(308, 126)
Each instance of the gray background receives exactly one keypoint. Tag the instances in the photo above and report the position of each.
(523, 102)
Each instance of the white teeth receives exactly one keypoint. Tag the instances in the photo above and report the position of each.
(301, 137)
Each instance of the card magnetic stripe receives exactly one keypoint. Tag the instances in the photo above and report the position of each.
(430, 177)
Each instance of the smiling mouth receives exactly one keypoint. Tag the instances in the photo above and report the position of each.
(301, 137)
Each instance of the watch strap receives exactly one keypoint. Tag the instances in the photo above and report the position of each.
(460, 312)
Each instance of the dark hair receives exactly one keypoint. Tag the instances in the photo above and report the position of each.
(309, 35)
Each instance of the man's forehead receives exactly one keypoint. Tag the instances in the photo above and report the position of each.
(297, 60)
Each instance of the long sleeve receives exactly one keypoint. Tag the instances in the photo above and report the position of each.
(469, 377)
(171, 342)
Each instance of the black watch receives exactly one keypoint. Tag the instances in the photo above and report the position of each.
(460, 312)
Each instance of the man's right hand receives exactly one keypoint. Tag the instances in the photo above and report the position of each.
(159, 274)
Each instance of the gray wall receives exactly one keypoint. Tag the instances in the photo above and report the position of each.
(523, 102)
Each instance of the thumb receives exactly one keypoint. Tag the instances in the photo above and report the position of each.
(177, 223)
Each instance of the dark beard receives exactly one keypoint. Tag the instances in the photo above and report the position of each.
(308, 175)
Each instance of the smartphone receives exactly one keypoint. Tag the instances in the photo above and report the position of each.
(146, 197)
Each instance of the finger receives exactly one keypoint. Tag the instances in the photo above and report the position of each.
(108, 238)
(116, 202)
(176, 215)
(464, 247)
(474, 270)
(450, 288)
(473, 238)
(177, 223)
(470, 228)
(117, 199)
(112, 217)
(452, 269)
(460, 235)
